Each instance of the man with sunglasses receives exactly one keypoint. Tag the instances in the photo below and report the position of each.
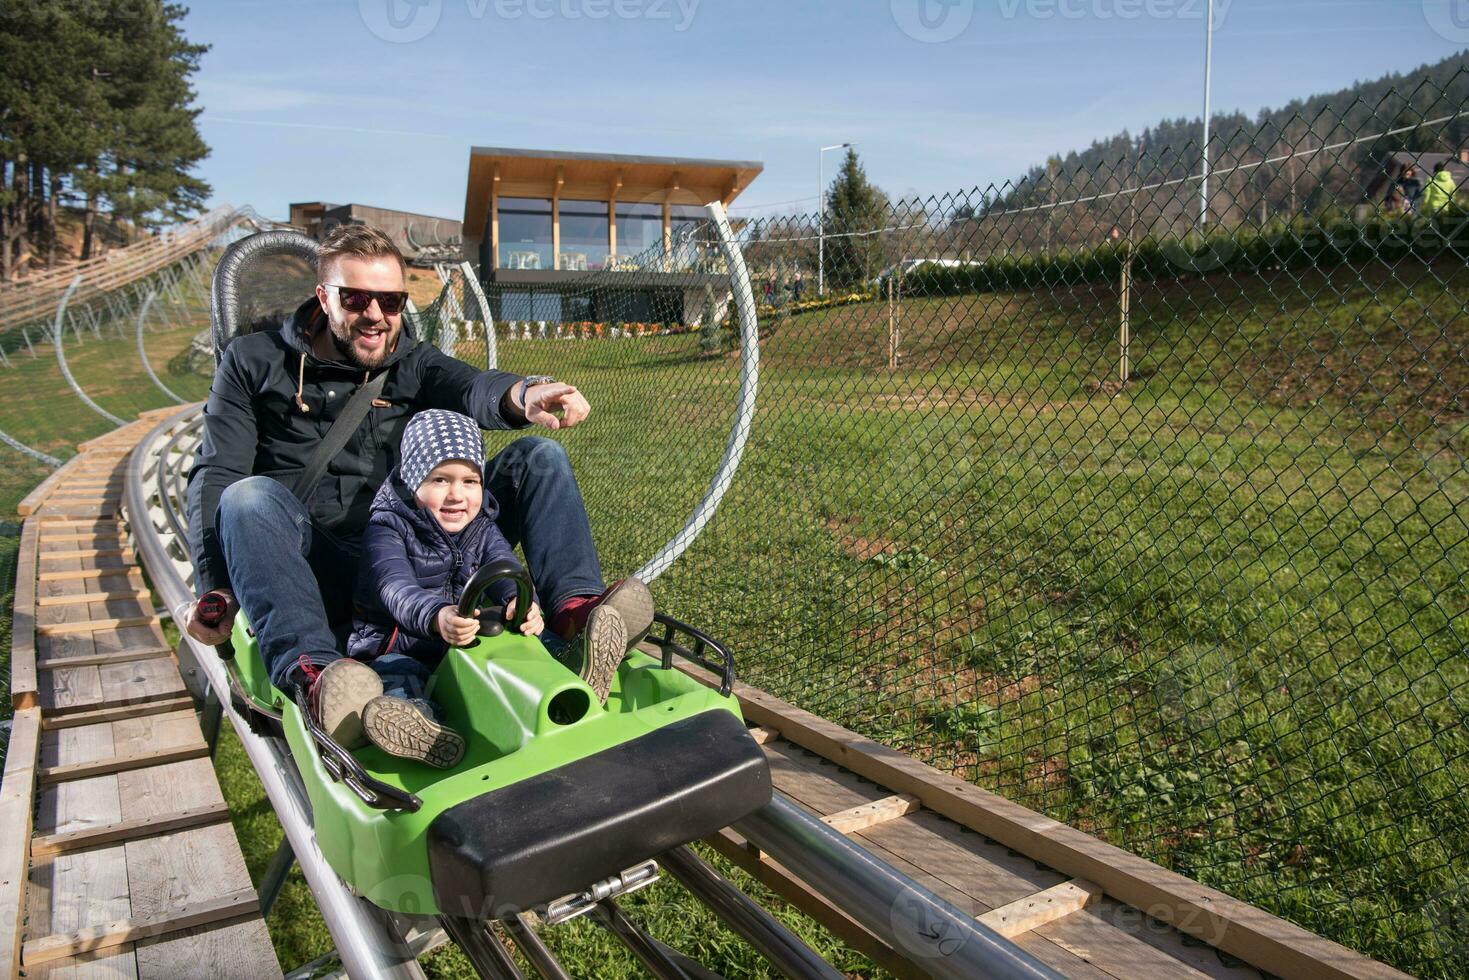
(288, 553)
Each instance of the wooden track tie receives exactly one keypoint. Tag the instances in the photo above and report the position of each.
(80, 598)
(866, 815)
(126, 830)
(1034, 911)
(116, 712)
(123, 931)
(95, 625)
(121, 763)
(97, 659)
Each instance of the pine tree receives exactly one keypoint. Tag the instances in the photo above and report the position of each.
(855, 211)
(95, 102)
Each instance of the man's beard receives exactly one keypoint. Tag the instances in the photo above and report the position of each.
(352, 356)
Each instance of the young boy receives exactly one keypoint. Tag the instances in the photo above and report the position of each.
(432, 526)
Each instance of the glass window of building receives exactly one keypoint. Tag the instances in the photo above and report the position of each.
(525, 233)
(584, 243)
(639, 228)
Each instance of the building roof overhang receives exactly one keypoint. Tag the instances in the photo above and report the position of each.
(598, 177)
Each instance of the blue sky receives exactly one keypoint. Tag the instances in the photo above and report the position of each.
(378, 101)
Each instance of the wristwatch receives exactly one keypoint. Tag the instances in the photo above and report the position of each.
(525, 385)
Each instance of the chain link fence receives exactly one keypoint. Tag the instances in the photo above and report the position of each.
(1151, 520)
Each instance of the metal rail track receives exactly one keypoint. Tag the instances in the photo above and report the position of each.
(372, 943)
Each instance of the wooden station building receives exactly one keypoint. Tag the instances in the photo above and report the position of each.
(536, 221)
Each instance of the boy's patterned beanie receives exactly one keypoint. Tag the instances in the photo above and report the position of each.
(435, 437)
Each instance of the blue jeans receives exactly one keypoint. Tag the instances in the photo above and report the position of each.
(295, 579)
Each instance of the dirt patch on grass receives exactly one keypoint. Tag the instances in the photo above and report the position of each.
(859, 546)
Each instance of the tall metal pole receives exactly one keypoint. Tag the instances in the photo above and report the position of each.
(1208, 80)
(821, 215)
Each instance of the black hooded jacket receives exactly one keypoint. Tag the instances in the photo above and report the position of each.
(255, 425)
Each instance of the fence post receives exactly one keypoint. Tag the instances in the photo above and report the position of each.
(892, 326)
(29, 346)
(1124, 361)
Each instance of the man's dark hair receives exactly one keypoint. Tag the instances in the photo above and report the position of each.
(358, 241)
(1441, 166)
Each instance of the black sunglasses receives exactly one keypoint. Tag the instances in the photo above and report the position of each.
(356, 300)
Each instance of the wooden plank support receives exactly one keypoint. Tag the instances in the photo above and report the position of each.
(762, 734)
(96, 625)
(87, 573)
(117, 712)
(126, 830)
(99, 536)
(17, 804)
(1034, 911)
(84, 553)
(32, 501)
(98, 523)
(866, 815)
(97, 659)
(123, 931)
(23, 622)
(1264, 941)
(121, 763)
(82, 597)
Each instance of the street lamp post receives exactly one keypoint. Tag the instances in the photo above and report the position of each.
(821, 216)
(1208, 77)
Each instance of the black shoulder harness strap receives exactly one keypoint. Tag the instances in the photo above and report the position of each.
(336, 437)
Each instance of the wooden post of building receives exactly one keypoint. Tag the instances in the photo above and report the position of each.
(667, 227)
(556, 218)
(612, 218)
(495, 218)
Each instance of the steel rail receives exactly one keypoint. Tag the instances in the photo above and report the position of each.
(783, 948)
(368, 939)
(942, 940)
(56, 336)
(143, 353)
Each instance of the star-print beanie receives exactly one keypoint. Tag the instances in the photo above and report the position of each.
(436, 436)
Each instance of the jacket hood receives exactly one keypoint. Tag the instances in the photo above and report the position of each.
(308, 317)
(1444, 179)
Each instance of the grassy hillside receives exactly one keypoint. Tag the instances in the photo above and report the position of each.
(1210, 615)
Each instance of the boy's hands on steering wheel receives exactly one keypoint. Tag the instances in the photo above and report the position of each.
(533, 625)
(203, 620)
(457, 630)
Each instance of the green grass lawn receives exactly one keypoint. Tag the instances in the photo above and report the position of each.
(1216, 615)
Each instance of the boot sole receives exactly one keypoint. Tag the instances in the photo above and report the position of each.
(605, 646)
(634, 603)
(400, 729)
(352, 686)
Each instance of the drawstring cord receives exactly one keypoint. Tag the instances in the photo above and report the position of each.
(301, 385)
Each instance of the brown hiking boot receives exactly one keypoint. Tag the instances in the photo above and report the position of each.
(634, 603)
(603, 644)
(338, 693)
(408, 730)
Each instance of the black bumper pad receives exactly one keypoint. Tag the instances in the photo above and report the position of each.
(560, 832)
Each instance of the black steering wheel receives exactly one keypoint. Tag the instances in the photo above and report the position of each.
(483, 578)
